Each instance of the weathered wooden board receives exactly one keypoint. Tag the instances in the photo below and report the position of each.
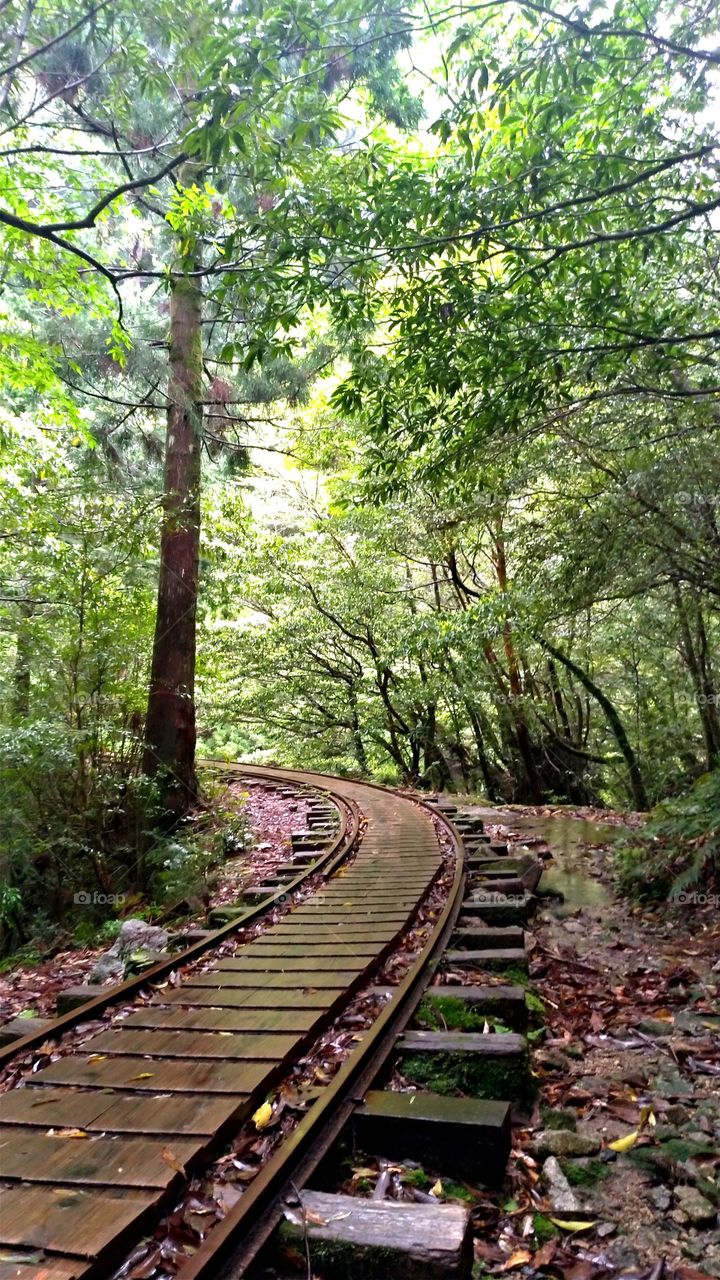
(109, 1162)
(155, 1075)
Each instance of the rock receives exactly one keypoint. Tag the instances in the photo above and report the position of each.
(142, 959)
(655, 1027)
(695, 1207)
(20, 1027)
(661, 1198)
(672, 1085)
(563, 1142)
(138, 935)
(107, 968)
(677, 1114)
(562, 1197)
(694, 1248)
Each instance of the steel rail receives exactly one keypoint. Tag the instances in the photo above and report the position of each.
(341, 846)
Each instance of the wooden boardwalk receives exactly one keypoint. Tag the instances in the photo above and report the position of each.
(165, 1085)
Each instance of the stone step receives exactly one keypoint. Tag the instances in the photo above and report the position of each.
(459, 1137)
(310, 846)
(497, 909)
(350, 1238)
(489, 884)
(506, 1003)
(18, 1028)
(73, 997)
(220, 916)
(500, 959)
(185, 938)
(493, 1066)
(477, 937)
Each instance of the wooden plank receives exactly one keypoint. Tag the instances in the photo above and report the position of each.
(109, 1112)
(48, 1269)
(241, 999)
(328, 914)
(490, 1046)
(385, 1238)
(209, 1019)
(117, 1162)
(299, 950)
(322, 930)
(192, 1044)
(320, 979)
(73, 1222)
(155, 1075)
(260, 963)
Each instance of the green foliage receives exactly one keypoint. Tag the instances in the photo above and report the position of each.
(677, 852)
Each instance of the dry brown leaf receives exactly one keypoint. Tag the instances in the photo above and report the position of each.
(170, 1158)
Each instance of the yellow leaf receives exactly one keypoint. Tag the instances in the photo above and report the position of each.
(573, 1226)
(263, 1116)
(67, 1133)
(624, 1144)
(97, 1057)
(437, 1190)
(144, 1075)
(518, 1259)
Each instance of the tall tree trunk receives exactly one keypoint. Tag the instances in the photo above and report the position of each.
(170, 726)
(637, 785)
(357, 738)
(523, 736)
(697, 662)
(21, 674)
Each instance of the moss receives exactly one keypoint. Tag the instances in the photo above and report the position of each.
(584, 1173)
(507, 1078)
(514, 974)
(445, 1013)
(457, 1191)
(534, 1004)
(683, 1149)
(557, 1118)
(416, 1178)
(544, 1229)
(338, 1260)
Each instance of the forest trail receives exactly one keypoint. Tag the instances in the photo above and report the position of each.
(632, 1047)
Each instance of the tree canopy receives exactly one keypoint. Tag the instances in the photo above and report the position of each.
(358, 406)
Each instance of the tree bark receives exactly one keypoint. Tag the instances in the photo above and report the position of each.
(170, 727)
(21, 674)
(637, 786)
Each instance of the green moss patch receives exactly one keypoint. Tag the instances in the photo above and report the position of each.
(506, 1079)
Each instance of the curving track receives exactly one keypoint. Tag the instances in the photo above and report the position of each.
(162, 1090)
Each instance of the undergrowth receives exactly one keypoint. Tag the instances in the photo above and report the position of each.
(678, 850)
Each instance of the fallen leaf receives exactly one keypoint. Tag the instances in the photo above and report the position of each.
(572, 1226)
(144, 1075)
(170, 1158)
(437, 1190)
(263, 1116)
(545, 1255)
(624, 1144)
(517, 1259)
(67, 1133)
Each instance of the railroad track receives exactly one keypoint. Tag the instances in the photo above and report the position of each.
(158, 1092)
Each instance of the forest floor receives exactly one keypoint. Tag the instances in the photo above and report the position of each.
(30, 984)
(631, 1053)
